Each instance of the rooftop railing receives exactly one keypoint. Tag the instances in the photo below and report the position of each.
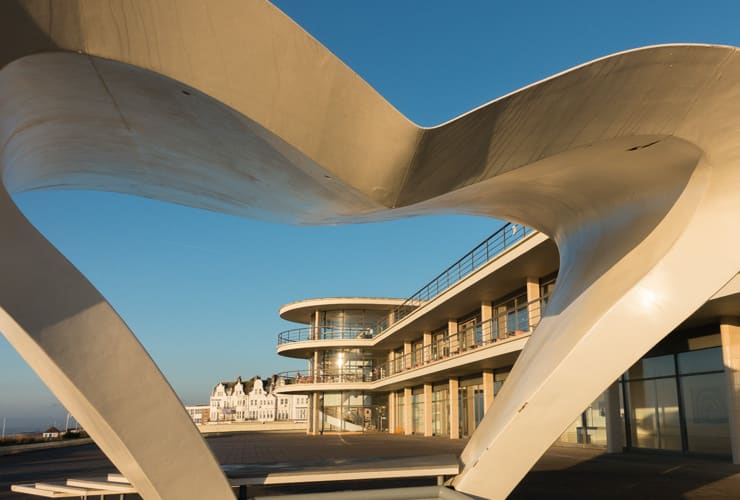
(483, 253)
(507, 324)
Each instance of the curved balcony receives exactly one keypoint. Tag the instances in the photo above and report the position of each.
(501, 240)
(301, 342)
(324, 333)
(510, 324)
(348, 380)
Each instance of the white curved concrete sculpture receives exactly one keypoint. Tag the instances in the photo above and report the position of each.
(628, 162)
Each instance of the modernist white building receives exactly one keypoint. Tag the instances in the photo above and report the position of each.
(232, 402)
(628, 162)
(433, 364)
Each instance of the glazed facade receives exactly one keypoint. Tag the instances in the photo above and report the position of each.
(433, 364)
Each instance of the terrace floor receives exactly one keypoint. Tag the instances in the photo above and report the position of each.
(563, 473)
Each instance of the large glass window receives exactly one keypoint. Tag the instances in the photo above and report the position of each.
(659, 366)
(677, 402)
(511, 316)
(346, 365)
(470, 405)
(589, 428)
(440, 410)
(352, 411)
(654, 417)
(417, 357)
(350, 323)
(469, 331)
(705, 408)
(440, 347)
(499, 376)
(417, 411)
(400, 413)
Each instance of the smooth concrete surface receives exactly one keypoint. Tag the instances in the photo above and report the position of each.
(627, 162)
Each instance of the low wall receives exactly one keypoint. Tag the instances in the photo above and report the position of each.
(251, 427)
(22, 448)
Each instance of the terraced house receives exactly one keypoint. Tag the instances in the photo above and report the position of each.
(433, 364)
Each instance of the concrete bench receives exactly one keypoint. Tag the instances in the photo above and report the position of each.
(243, 476)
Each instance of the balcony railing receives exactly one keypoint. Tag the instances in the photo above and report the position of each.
(508, 323)
(347, 376)
(323, 333)
(491, 247)
(511, 322)
(483, 253)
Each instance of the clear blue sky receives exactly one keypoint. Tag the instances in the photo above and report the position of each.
(201, 290)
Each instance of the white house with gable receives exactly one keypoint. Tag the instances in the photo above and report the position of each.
(233, 402)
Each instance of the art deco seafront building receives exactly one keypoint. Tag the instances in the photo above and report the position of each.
(629, 163)
(434, 363)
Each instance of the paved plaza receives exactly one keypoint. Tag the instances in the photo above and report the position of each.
(563, 473)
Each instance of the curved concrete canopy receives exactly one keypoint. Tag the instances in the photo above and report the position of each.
(628, 162)
(300, 311)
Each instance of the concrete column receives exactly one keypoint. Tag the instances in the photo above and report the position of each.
(533, 293)
(315, 420)
(486, 314)
(315, 372)
(427, 347)
(391, 412)
(730, 334)
(487, 389)
(408, 424)
(454, 409)
(316, 324)
(427, 409)
(391, 364)
(455, 344)
(501, 321)
(471, 411)
(407, 355)
(390, 318)
(614, 424)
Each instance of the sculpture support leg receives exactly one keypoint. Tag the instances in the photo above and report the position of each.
(85, 353)
(599, 329)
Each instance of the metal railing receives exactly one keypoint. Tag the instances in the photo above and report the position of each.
(339, 376)
(483, 253)
(323, 333)
(491, 247)
(511, 322)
